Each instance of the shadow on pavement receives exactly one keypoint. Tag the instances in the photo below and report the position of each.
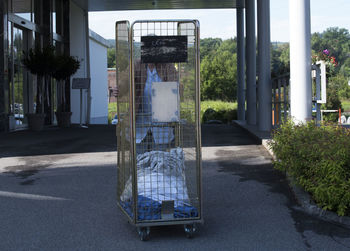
(277, 183)
(226, 135)
(54, 140)
(99, 138)
(247, 205)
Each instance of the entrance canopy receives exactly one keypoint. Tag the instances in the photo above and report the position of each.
(112, 5)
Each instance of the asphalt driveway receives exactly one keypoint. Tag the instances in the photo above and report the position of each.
(62, 196)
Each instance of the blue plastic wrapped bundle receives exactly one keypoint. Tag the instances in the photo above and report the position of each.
(149, 209)
(160, 177)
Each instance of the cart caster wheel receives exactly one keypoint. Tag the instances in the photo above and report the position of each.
(144, 233)
(190, 229)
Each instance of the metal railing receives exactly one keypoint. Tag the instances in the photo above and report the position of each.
(281, 94)
(280, 99)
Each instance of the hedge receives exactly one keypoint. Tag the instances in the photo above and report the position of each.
(214, 110)
(318, 158)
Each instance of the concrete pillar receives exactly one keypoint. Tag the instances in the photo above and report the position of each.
(300, 60)
(66, 35)
(264, 71)
(240, 65)
(251, 62)
(79, 48)
(88, 75)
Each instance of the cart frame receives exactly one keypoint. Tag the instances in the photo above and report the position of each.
(161, 222)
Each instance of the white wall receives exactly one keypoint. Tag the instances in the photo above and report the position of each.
(78, 49)
(99, 83)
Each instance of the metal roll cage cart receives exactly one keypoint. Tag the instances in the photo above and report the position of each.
(158, 132)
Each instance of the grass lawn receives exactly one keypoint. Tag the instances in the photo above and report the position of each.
(346, 105)
(112, 110)
(218, 105)
(215, 105)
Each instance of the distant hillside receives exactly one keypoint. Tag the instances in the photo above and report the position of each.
(275, 44)
(111, 43)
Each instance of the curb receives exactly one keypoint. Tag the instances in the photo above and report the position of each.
(307, 203)
(311, 208)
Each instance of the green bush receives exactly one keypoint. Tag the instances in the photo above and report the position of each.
(208, 114)
(112, 111)
(333, 103)
(318, 158)
(218, 110)
(224, 111)
(224, 116)
(346, 105)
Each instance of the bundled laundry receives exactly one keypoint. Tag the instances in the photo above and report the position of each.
(160, 177)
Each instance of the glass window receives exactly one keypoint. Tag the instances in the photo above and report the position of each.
(59, 17)
(9, 6)
(59, 47)
(37, 11)
(10, 66)
(9, 36)
(23, 8)
(34, 41)
(54, 16)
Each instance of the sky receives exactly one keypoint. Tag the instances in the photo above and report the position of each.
(222, 22)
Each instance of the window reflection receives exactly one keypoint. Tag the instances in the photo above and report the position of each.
(54, 16)
(10, 66)
(32, 10)
(23, 8)
(18, 76)
(37, 11)
(22, 95)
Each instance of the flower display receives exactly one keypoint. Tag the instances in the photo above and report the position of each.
(325, 56)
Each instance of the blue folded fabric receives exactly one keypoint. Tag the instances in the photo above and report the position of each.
(149, 209)
(185, 212)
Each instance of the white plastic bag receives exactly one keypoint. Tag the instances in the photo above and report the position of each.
(160, 176)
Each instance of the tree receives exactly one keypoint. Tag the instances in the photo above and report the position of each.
(111, 57)
(209, 46)
(336, 41)
(279, 59)
(66, 66)
(345, 68)
(340, 84)
(229, 45)
(40, 62)
(219, 73)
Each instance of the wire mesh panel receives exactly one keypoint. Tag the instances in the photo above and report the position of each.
(124, 112)
(164, 186)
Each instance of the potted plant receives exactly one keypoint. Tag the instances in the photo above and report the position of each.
(66, 66)
(40, 62)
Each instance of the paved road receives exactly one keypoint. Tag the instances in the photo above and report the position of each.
(67, 201)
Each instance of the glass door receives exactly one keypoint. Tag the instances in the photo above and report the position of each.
(19, 78)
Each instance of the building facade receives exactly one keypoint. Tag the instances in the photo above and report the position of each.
(25, 25)
(64, 23)
(98, 72)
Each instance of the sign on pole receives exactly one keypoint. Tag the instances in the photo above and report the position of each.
(81, 83)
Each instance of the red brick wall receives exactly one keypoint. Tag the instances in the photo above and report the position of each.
(112, 85)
